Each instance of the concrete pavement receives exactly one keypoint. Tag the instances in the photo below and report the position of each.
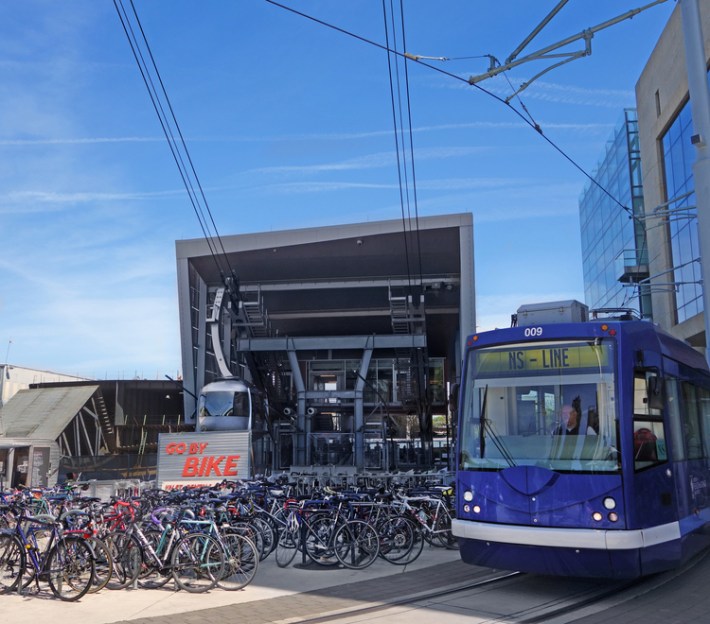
(273, 592)
(289, 595)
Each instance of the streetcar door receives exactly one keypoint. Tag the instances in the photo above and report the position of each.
(652, 493)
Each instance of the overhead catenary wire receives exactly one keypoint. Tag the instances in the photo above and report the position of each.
(404, 165)
(411, 149)
(400, 172)
(177, 144)
(419, 60)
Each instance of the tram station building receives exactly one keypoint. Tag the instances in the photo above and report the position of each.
(353, 332)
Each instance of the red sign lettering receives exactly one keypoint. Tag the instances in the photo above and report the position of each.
(210, 464)
(175, 448)
(190, 467)
(180, 448)
(230, 467)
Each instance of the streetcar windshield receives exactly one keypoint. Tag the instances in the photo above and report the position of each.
(544, 404)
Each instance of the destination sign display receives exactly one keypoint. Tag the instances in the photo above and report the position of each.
(551, 359)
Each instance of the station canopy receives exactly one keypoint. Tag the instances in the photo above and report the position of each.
(360, 279)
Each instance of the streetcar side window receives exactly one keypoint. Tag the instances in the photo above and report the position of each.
(674, 419)
(689, 417)
(704, 406)
(649, 439)
(646, 394)
(691, 421)
(649, 443)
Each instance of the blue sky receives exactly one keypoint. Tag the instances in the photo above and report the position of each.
(289, 124)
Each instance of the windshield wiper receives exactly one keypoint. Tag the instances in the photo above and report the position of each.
(484, 423)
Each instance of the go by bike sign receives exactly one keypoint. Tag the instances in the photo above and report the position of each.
(199, 459)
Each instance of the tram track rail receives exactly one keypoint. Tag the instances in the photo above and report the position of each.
(577, 598)
(558, 611)
(490, 579)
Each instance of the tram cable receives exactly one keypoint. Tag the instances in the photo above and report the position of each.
(421, 60)
(400, 149)
(178, 147)
(411, 148)
(526, 116)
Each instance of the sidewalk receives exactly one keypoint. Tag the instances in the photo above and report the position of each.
(271, 596)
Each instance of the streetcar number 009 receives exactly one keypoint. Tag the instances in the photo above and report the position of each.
(531, 332)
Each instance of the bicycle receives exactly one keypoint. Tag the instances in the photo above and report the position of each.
(195, 561)
(36, 549)
(83, 523)
(242, 555)
(433, 516)
(311, 525)
(356, 543)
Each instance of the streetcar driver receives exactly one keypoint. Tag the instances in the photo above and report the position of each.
(569, 424)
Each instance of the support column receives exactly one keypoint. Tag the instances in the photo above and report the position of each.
(300, 435)
(189, 381)
(359, 412)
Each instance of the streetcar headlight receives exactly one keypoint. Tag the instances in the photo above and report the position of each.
(467, 508)
(613, 516)
(609, 503)
(468, 496)
(476, 509)
(597, 517)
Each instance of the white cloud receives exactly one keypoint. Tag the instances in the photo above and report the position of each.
(77, 141)
(372, 161)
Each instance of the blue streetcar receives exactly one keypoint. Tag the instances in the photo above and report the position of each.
(583, 449)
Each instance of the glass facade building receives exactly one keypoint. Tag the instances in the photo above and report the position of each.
(678, 158)
(614, 248)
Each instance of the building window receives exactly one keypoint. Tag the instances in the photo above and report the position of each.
(614, 251)
(678, 159)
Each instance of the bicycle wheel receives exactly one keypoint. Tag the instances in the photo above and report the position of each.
(241, 561)
(126, 555)
(442, 536)
(356, 544)
(12, 563)
(103, 564)
(319, 540)
(153, 576)
(287, 546)
(248, 530)
(38, 538)
(266, 534)
(197, 563)
(70, 567)
(401, 540)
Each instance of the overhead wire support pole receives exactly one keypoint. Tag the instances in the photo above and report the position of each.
(546, 52)
(536, 31)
